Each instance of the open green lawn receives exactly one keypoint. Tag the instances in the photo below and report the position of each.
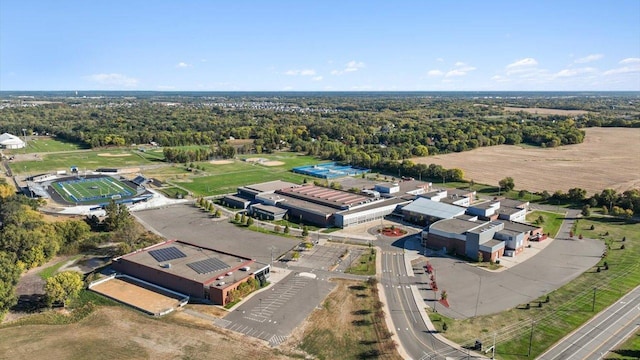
(551, 223)
(84, 160)
(225, 178)
(366, 265)
(570, 306)
(45, 144)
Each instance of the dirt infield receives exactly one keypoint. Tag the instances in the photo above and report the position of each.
(220, 162)
(542, 111)
(608, 158)
(135, 295)
(113, 155)
(272, 163)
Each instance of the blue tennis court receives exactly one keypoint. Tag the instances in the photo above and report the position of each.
(330, 170)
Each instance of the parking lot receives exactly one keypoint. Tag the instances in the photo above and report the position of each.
(336, 257)
(273, 314)
(187, 223)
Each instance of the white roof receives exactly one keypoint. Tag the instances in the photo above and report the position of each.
(8, 139)
(434, 209)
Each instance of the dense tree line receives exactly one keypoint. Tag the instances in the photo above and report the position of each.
(403, 125)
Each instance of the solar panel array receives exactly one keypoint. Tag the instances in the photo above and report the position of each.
(208, 265)
(167, 254)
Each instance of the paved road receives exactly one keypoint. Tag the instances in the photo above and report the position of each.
(602, 333)
(417, 340)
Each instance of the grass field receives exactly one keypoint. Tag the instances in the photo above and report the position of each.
(552, 221)
(225, 178)
(44, 145)
(84, 160)
(569, 306)
(92, 190)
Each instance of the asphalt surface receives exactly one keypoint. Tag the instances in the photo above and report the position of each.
(273, 314)
(602, 333)
(188, 223)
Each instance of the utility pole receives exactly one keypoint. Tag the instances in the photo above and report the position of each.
(531, 337)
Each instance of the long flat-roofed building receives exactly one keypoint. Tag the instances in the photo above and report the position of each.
(197, 271)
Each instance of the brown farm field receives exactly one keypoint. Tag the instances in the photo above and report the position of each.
(119, 333)
(608, 158)
(542, 111)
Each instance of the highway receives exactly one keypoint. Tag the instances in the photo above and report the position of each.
(417, 340)
(602, 333)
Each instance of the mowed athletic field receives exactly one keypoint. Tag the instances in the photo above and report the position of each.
(92, 190)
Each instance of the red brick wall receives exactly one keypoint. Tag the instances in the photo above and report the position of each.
(437, 242)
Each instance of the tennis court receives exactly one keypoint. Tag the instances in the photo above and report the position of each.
(330, 170)
(92, 189)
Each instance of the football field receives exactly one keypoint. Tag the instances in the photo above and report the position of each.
(90, 190)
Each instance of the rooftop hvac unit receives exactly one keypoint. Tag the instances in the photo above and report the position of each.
(166, 266)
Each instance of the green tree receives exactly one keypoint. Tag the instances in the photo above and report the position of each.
(586, 211)
(118, 216)
(63, 287)
(507, 184)
(305, 230)
(286, 229)
(9, 275)
(249, 221)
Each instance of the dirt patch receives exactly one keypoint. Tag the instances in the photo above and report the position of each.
(220, 162)
(348, 326)
(135, 295)
(113, 155)
(272, 163)
(119, 333)
(542, 111)
(255, 160)
(129, 170)
(607, 158)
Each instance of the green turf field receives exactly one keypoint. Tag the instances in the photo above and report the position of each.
(92, 190)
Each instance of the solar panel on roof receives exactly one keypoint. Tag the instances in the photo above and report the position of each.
(208, 265)
(167, 254)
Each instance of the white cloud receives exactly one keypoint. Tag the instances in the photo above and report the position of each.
(500, 78)
(354, 66)
(523, 63)
(351, 66)
(317, 78)
(588, 58)
(630, 61)
(440, 60)
(631, 65)
(435, 73)
(460, 69)
(574, 72)
(300, 72)
(113, 80)
(183, 65)
(526, 66)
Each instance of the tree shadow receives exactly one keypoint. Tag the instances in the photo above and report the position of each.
(627, 353)
(370, 354)
(358, 287)
(361, 322)
(368, 342)
(361, 312)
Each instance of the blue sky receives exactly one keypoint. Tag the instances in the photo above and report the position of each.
(327, 45)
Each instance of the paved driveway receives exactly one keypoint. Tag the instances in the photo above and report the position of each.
(473, 291)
